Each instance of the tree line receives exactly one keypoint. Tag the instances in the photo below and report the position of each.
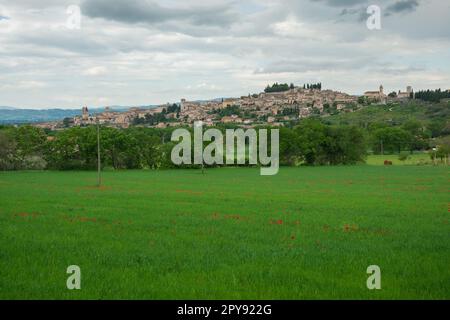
(154, 119)
(311, 142)
(432, 95)
(313, 86)
(278, 87)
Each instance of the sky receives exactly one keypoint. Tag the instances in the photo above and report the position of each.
(146, 52)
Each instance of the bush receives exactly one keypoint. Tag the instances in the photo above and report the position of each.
(34, 162)
(403, 156)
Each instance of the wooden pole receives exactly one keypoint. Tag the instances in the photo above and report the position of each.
(99, 178)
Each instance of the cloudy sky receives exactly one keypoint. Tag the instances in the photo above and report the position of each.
(141, 52)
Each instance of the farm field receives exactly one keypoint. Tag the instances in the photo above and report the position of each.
(306, 233)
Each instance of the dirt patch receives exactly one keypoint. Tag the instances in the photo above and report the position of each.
(237, 217)
(73, 219)
(350, 228)
(26, 215)
(278, 221)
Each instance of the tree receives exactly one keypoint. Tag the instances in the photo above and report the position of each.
(67, 122)
(30, 140)
(230, 110)
(443, 149)
(403, 156)
(289, 147)
(311, 134)
(74, 148)
(391, 139)
(436, 127)
(277, 87)
(363, 100)
(7, 151)
(119, 149)
(432, 95)
(414, 127)
(418, 136)
(343, 145)
(149, 144)
(29, 143)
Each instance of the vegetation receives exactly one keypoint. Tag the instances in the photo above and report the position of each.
(154, 119)
(403, 156)
(433, 118)
(342, 138)
(432, 95)
(310, 142)
(277, 87)
(306, 233)
(314, 143)
(229, 111)
(313, 86)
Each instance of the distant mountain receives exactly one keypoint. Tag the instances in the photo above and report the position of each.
(10, 115)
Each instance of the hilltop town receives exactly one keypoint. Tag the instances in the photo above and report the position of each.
(278, 104)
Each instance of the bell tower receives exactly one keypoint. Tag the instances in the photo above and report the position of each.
(85, 113)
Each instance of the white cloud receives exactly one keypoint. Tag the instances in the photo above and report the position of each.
(95, 71)
(225, 48)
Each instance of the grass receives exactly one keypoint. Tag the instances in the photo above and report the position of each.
(413, 159)
(393, 113)
(306, 233)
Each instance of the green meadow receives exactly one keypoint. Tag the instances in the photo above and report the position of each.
(306, 233)
(412, 159)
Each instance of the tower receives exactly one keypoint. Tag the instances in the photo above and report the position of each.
(381, 90)
(409, 89)
(84, 113)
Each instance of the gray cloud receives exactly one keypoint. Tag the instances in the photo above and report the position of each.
(312, 65)
(360, 14)
(203, 49)
(402, 6)
(151, 13)
(342, 3)
(66, 41)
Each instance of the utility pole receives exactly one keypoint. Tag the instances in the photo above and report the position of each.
(199, 124)
(382, 148)
(434, 155)
(99, 178)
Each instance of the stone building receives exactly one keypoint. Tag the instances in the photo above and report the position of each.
(377, 96)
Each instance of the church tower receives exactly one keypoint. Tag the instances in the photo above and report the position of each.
(84, 113)
(183, 105)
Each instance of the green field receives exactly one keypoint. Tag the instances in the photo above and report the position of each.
(413, 159)
(306, 233)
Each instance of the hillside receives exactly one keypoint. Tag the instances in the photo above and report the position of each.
(9, 115)
(393, 114)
